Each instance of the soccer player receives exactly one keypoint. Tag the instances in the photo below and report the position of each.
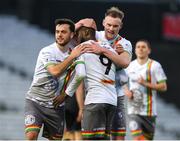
(101, 96)
(112, 24)
(48, 79)
(146, 77)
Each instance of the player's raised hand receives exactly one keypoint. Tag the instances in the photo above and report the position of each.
(119, 48)
(94, 47)
(77, 51)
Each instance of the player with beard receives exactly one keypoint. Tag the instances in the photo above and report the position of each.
(112, 23)
(50, 71)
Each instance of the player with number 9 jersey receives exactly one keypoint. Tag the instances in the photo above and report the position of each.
(99, 77)
(101, 95)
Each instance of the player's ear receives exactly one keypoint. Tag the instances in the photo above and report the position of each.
(72, 35)
(103, 22)
(149, 52)
(121, 25)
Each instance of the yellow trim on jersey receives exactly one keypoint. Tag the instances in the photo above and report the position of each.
(48, 64)
(149, 90)
(161, 81)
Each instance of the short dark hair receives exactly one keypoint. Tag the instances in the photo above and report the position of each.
(115, 12)
(145, 41)
(66, 21)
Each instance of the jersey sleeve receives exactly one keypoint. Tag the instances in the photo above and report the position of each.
(47, 57)
(159, 73)
(122, 77)
(127, 46)
(77, 77)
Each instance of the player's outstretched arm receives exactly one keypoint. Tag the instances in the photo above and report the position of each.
(57, 69)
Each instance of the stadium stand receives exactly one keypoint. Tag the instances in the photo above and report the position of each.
(19, 47)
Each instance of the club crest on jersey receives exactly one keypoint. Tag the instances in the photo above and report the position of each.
(29, 120)
(133, 125)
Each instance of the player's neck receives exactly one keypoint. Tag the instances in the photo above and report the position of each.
(112, 39)
(142, 61)
(64, 48)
